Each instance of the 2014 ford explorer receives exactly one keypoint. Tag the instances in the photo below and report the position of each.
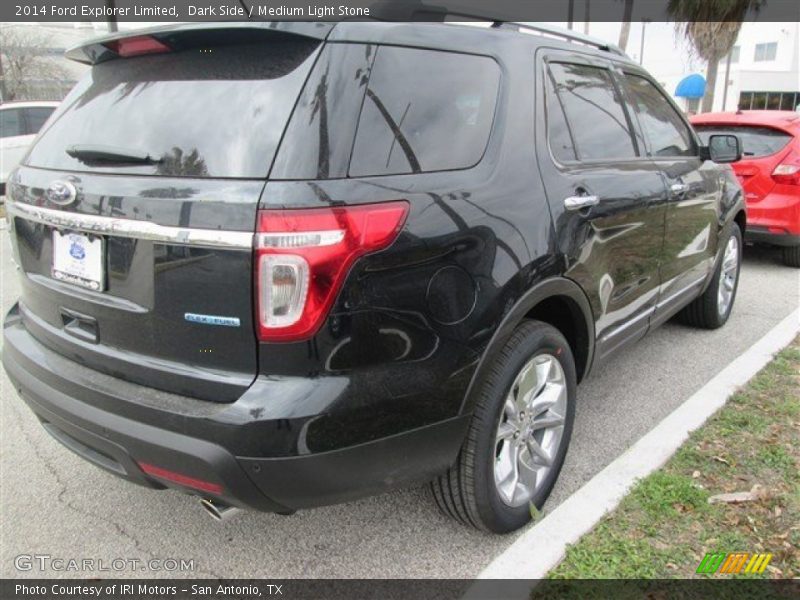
(286, 265)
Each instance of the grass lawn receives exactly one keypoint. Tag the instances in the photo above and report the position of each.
(666, 525)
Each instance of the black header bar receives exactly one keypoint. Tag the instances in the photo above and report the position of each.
(336, 10)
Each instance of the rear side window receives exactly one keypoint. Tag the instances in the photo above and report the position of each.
(756, 141)
(208, 112)
(11, 122)
(425, 111)
(37, 117)
(663, 127)
(594, 111)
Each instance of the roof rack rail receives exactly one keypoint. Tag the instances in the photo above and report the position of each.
(419, 10)
(567, 34)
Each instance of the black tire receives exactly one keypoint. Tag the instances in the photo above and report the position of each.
(791, 256)
(703, 311)
(467, 492)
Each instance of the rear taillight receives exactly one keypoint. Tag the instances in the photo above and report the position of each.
(787, 173)
(303, 256)
(138, 45)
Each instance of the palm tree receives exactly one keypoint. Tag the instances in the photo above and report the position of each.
(624, 33)
(712, 27)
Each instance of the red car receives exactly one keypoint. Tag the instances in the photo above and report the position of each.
(769, 172)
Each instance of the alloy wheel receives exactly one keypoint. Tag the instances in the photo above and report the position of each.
(728, 275)
(530, 430)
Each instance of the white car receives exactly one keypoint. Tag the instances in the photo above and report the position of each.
(19, 124)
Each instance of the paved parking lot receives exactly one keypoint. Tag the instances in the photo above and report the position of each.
(54, 503)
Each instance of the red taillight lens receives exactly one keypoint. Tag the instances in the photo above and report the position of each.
(135, 46)
(180, 479)
(303, 256)
(787, 173)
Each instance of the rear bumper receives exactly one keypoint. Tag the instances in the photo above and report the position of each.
(117, 425)
(762, 235)
(775, 219)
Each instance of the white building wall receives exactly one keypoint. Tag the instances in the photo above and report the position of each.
(779, 75)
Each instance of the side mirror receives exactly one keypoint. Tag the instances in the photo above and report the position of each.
(723, 148)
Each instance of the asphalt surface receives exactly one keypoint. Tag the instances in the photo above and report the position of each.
(55, 504)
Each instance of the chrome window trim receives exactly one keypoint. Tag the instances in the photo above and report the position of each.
(129, 228)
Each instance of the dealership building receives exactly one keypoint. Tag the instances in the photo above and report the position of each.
(763, 72)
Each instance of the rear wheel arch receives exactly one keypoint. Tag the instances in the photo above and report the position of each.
(557, 301)
(566, 314)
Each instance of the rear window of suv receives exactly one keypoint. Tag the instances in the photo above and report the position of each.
(756, 141)
(425, 110)
(204, 112)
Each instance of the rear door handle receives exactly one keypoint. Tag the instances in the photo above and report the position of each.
(579, 202)
(678, 188)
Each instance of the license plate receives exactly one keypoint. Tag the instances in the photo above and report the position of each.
(78, 259)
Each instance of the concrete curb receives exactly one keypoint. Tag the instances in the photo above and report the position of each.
(542, 547)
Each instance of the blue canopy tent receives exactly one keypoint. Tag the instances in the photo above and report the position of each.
(691, 86)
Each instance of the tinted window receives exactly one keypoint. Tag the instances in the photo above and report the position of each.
(665, 130)
(319, 139)
(11, 122)
(558, 133)
(756, 141)
(745, 100)
(37, 117)
(425, 111)
(789, 101)
(217, 113)
(594, 111)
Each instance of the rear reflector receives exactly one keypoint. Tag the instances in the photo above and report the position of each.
(303, 257)
(778, 230)
(184, 480)
(136, 46)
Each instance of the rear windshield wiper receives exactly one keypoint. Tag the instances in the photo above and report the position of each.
(88, 153)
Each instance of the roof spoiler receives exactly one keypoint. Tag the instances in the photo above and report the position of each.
(101, 49)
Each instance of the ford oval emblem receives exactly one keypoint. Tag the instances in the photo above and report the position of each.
(61, 193)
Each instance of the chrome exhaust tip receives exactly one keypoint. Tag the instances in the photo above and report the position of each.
(217, 510)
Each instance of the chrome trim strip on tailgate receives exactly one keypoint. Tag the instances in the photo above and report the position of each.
(143, 230)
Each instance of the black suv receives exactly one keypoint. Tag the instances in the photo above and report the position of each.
(286, 265)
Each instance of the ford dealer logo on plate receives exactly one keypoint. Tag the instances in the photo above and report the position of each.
(76, 251)
(61, 193)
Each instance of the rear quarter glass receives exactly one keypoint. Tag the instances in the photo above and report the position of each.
(204, 112)
(424, 111)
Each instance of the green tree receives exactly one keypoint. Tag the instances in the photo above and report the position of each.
(711, 26)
